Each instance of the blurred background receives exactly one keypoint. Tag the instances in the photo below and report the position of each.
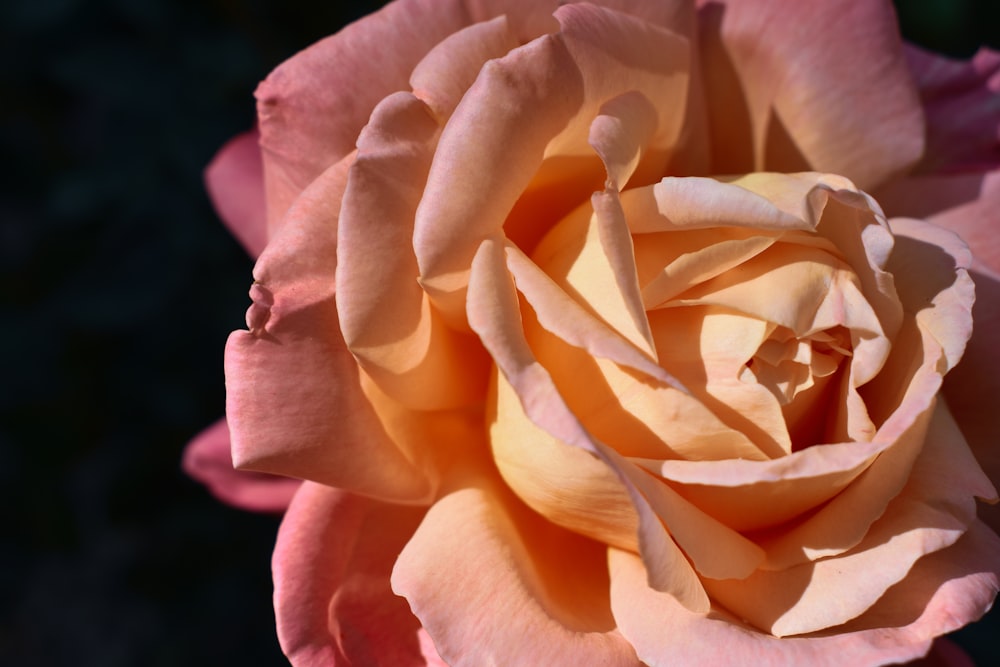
(118, 287)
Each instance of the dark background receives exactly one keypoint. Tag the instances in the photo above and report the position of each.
(118, 287)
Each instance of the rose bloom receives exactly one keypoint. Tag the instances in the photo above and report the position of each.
(617, 333)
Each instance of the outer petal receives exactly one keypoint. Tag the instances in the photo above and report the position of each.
(235, 181)
(294, 399)
(207, 459)
(815, 85)
(942, 593)
(332, 600)
(962, 103)
(312, 107)
(490, 581)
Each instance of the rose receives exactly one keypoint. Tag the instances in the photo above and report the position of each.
(376, 389)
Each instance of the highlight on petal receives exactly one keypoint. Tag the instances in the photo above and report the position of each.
(491, 583)
(235, 182)
(207, 459)
(332, 599)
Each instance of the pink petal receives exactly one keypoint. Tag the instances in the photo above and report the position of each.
(312, 107)
(962, 103)
(235, 181)
(208, 460)
(451, 67)
(819, 85)
(385, 316)
(495, 584)
(943, 592)
(332, 600)
(294, 398)
(945, 653)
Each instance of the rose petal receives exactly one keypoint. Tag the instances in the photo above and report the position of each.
(962, 102)
(942, 593)
(821, 83)
(312, 107)
(493, 314)
(207, 459)
(589, 255)
(332, 600)
(488, 580)
(294, 399)
(235, 182)
(385, 316)
(537, 102)
(444, 75)
(933, 510)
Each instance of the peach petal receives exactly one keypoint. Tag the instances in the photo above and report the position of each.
(632, 414)
(962, 102)
(933, 510)
(235, 182)
(386, 319)
(943, 592)
(493, 314)
(207, 459)
(819, 85)
(705, 348)
(294, 401)
(332, 600)
(589, 255)
(559, 82)
(936, 286)
(488, 581)
(842, 522)
(565, 317)
(620, 132)
(567, 485)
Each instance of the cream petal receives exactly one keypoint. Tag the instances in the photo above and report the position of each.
(490, 582)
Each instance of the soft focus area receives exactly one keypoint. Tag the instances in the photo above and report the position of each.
(121, 286)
